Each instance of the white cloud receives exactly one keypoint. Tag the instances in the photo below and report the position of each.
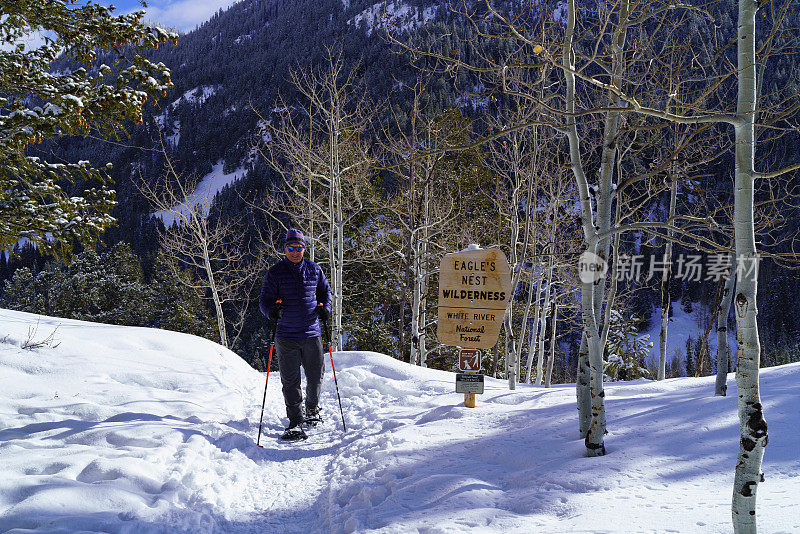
(184, 14)
(32, 41)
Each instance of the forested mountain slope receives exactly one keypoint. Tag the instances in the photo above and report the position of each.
(234, 67)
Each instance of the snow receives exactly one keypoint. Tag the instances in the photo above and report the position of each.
(394, 14)
(211, 184)
(198, 95)
(52, 109)
(682, 326)
(160, 120)
(560, 12)
(174, 133)
(262, 130)
(175, 136)
(32, 40)
(76, 101)
(475, 98)
(120, 429)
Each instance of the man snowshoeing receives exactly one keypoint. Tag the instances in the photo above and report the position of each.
(305, 301)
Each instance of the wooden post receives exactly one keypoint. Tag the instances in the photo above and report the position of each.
(469, 398)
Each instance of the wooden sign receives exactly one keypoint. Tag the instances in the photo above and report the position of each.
(469, 360)
(474, 291)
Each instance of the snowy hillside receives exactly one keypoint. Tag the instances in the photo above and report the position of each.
(136, 430)
(208, 186)
(682, 326)
(396, 15)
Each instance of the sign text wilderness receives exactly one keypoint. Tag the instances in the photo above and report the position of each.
(474, 290)
(471, 295)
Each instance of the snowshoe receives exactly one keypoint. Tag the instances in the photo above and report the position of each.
(313, 418)
(294, 433)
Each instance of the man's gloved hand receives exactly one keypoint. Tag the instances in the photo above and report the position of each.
(275, 312)
(323, 313)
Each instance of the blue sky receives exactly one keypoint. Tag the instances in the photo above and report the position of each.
(182, 14)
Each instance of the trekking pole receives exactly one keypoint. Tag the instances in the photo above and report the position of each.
(266, 383)
(333, 368)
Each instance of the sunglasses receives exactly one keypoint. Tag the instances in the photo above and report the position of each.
(295, 248)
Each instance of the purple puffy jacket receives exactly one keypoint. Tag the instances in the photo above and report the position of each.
(300, 287)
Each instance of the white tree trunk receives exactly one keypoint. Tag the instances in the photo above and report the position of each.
(338, 298)
(543, 323)
(312, 242)
(518, 261)
(582, 389)
(335, 282)
(419, 275)
(415, 300)
(596, 427)
(511, 351)
(423, 279)
(723, 351)
(223, 334)
(753, 427)
(666, 275)
(423, 349)
(605, 196)
(595, 434)
(553, 321)
(533, 298)
(336, 228)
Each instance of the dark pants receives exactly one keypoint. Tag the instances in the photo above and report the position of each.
(292, 353)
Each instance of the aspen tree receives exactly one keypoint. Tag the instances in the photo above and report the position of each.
(605, 50)
(724, 308)
(211, 251)
(326, 163)
(551, 358)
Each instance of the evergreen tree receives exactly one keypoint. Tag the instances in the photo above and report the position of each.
(690, 366)
(674, 367)
(109, 288)
(687, 303)
(49, 283)
(19, 294)
(627, 349)
(4, 271)
(174, 305)
(701, 351)
(80, 96)
(105, 288)
(127, 289)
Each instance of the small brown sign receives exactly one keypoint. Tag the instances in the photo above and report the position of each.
(469, 360)
(474, 291)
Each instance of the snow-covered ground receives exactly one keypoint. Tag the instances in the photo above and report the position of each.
(121, 429)
(198, 95)
(683, 325)
(208, 186)
(396, 15)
